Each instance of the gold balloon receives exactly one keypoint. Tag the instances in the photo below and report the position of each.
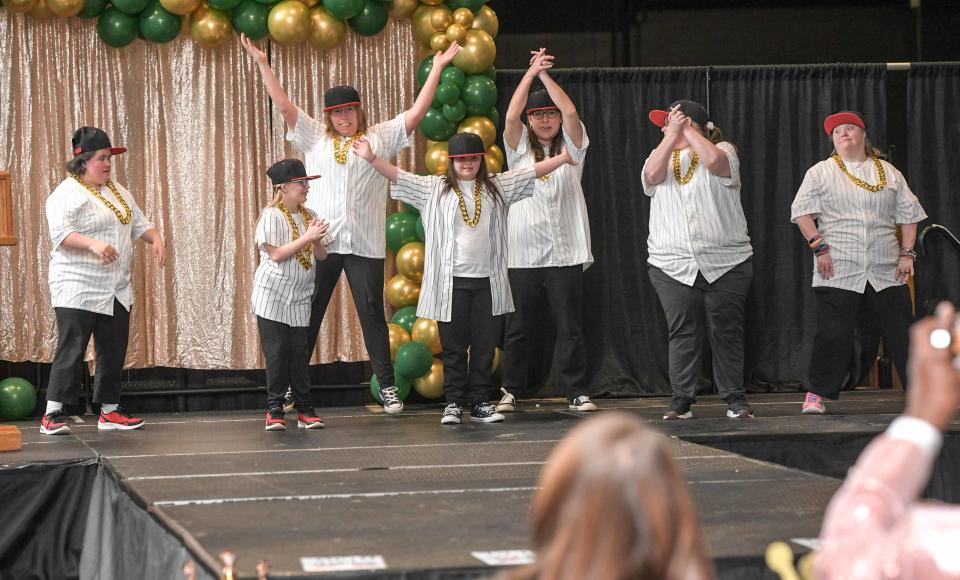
(496, 359)
(289, 22)
(422, 27)
(481, 126)
(478, 53)
(181, 7)
(439, 42)
(41, 11)
(400, 9)
(398, 337)
(495, 151)
(19, 5)
(410, 261)
(441, 18)
(456, 33)
(325, 30)
(463, 16)
(426, 331)
(436, 158)
(402, 292)
(210, 27)
(423, 52)
(486, 19)
(494, 165)
(430, 385)
(65, 8)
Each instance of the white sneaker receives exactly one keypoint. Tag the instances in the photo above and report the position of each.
(391, 401)
(451, 414)
(508, 403)
(582, 403)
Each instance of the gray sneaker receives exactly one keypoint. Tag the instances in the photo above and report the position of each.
(508, 403)
(582, 403)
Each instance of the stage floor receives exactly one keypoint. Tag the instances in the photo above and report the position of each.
(422, 496)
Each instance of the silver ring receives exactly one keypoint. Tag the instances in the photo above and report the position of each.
(940, 338)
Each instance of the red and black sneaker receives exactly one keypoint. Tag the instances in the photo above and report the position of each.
(308, 419)
(54, 424)
(117, 421)
(275, 420)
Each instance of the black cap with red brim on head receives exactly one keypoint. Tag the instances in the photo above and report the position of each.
(340, 97)
(691, 109)
(540, 101)
(465, 145)
(843, 118)
(288, 170)
(87, 139)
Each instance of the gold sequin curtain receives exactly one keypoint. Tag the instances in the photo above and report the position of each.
(201, 131)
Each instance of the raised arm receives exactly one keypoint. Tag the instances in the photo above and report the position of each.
(287, 109)
(571, 120)
(712, 157)
(513, 123)
(415, 114)
(361, 148)
(655, 171)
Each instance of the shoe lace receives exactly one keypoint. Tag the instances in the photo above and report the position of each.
(485, 408)
(506, 393)
(55, 417)
(452, 409)
(389, 395)
(813, 398)
(276, 413)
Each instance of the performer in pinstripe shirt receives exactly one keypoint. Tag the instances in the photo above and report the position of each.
(93, 222)
(290, 241)
(352, 197)
(465, 286)
(848, 209)
(699, 253)
(548, 234)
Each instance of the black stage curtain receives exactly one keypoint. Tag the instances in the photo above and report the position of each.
(774, 115)
(933, 138)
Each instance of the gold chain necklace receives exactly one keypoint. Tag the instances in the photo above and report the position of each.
(124, 219)
(477, 196)
(859, 182)
(694, 162)
(303, 256)
(340, 149)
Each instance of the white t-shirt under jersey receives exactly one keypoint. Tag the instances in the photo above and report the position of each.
(471, 254)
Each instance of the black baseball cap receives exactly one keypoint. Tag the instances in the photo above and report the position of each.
(540, 101)
(691, 109)
(465, 145)
(87, 139)
(287, 170)
(339, 97)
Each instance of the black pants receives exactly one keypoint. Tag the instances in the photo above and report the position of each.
(472, 324)
(713, 311)
(565, 295)
(838, 314)
(287, 361)
(366, 284)
(110, 335)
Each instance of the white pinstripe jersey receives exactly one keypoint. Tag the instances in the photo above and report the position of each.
(699, 226)
(550, 228)
(440, 212)
(860, 226)
(77, 277)
(282, 291)
(352, 197)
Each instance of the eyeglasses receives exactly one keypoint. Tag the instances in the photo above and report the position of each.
(550, 114)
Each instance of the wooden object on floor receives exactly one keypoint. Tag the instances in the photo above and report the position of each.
(10, 438)
(7, 235)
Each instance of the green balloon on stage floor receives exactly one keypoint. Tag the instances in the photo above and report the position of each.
(452, 75)
(93, 8)
(344, 9)
(117, 29)
(224, 5)
(250, 18)
(479, 94)
(423, 70)
(17, 398)
(403, 386)
(421, 233)
(413, 360)
(405, 317)
(371, 19)
(130, 6)
(158, 25)
(401, 229)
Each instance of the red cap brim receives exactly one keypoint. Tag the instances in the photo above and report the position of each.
(355, 104)
(845, 118)
(658, 117)
(550, 108)
(305, 178)
(117, 150)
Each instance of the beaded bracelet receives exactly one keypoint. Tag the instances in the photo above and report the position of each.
(822, 249)
(908, 253)
(814, 242)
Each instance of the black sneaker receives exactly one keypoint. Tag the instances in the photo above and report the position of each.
(739, 409)
(288, 401)
(274, 420)
(679, 409)
(485, 413)
(451, 414)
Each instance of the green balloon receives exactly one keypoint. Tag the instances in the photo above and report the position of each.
(224, 5)
(494, 115)
(250, 18)
(344, 9)
(371, 20)
(414, 360)
(405, 317)
(423, 70)
(17, 398)
(158, 25)
(455, 112)
(130, 6)
(407, 208)
(436, 127)
(473, 5)
(403, 386)
(401, 228)
(479, 94)
(491, 73)
(268, 2)
(117, 29)
(93, 8)
(452, 75)
(448, 94)
(421, 233)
